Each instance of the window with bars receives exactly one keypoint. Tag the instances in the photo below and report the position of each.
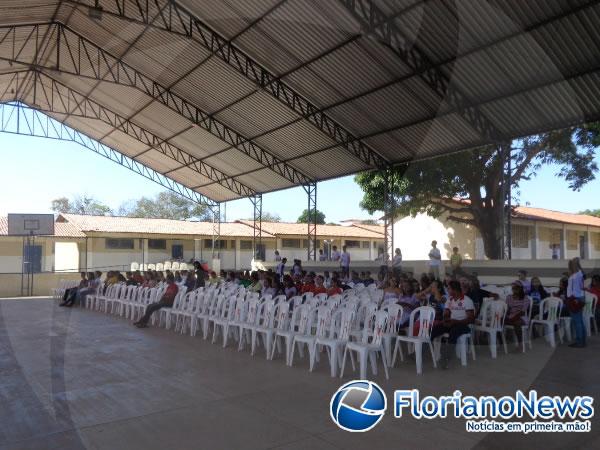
(119, 244)
(572, 240)
(157, 244)
(305, 243)
(352, 244)
(245, 245)
(221, 244)
(365, 244)
(520, 236)
(290, 243)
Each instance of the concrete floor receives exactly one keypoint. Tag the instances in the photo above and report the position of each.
(73, 379)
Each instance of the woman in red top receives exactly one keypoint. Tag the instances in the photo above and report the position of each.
(336, 288)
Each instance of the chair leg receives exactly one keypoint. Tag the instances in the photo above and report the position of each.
(419, 357)
(371, 356)
(493, 344)
(504, 342)
(343, 362)
(385, 363)
(433, 358)
(363, 363)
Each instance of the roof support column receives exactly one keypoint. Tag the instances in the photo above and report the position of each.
(215, 211)
(257, 227)
(389, 209)
(311, 191)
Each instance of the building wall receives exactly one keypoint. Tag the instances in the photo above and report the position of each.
(413, 235)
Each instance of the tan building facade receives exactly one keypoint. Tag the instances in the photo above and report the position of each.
(114, 243)
(536, 234)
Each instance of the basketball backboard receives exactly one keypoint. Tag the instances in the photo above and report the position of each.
(31, 224)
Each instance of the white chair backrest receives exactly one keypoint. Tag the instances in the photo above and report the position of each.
(160, 267)
(151, 266)
(295, 301)
(345, 324)
(323, 317)
(380, 320)
(334, 301)
(282, 315)
(253, 305)
(426, 317)
(167, 265)
(591, 301)
(321, 298)
(550, 308)
(267, 313)
(305, 319)
(175, 266)
(307, 296)
(495, 319)
(134, 266)
(395, 313)
(279, 298)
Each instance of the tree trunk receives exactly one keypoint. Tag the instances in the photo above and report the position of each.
(490, 226)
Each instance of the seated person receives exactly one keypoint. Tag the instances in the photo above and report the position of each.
(392, 291)
(189, 280)
(129, 280)
(137, 276)
(327, 279)
(368, 279)
(308, 285)
(319, 287)
(459, 312)
(166, 301)
(289, 287)
(516, 315)
(71, 293)
(255, 284)
(267, 288)
(526, 283)
(213, 278)
(336, 288)
(90, 289)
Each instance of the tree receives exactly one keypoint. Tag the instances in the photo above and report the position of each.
(268, 217)
(166, 205)
(591, 212)
(304, 217)
(477, 176)
(80, 205)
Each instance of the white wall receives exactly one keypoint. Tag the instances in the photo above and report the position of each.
(66, 256)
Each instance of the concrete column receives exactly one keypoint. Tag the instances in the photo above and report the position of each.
(237, 260)
(197, 248)
(535, 242)
(563, 242)
(277, 245)
(145, 251)
(588, 244)
(371, 250)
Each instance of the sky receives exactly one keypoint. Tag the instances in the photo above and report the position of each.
(34, 171)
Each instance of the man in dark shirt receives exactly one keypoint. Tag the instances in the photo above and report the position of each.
(166, 301)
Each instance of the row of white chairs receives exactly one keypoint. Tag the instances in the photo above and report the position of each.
(167, 265)
(354, 323)
(59, 291)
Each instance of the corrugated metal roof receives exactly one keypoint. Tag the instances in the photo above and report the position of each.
(304, 79)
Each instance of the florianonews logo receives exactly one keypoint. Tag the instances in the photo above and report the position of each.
(358, 406)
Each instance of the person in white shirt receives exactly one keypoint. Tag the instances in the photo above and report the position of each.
(322, 256)
(277, 256)
(345, 262)
(397, 264)
(435, 259)
(459, 312)
(576, 301)
(335, 255)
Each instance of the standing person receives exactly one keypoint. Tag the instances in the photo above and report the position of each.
(397, 264)
(277, 256)
(435, 259)
(576, 302)
(297, 268)
(345, 262)
(459, 312)
(456, 262)
(555, 248)
(200, 274)
(166, 301)
(322, 256)
(335, 255)
(280, 270)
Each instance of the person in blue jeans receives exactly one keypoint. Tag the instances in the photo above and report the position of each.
(575, 291)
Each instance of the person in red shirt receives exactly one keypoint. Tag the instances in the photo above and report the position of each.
(308, 285)
(319, 287)
(166, 301)
(336, 287)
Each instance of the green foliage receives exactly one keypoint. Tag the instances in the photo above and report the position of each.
(268, 217)
(80, 205)
(166, 205)
(305, 219)
(477, 175)
(591, 212)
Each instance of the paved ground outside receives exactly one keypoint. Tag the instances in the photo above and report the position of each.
(75, 379)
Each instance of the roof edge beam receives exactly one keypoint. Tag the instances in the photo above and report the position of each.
(175, 18)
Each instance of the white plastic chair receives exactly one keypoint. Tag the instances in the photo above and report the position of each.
(320, 321)
(492, 324)
(226, 317)
(370, 346)
(174, 266)
(548, 318)
(265, 320)
(589, 313)
(167, 265)
(426, 317)
(277, 320)
(339, 334)
(298, 324)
